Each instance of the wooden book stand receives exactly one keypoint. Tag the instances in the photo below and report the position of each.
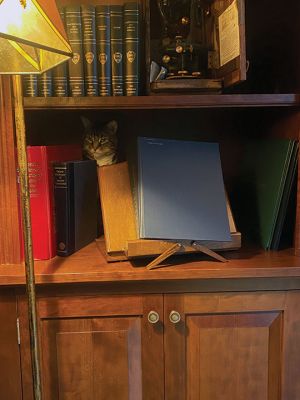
(120, 225)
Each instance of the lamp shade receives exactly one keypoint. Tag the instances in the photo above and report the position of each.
(32, 37)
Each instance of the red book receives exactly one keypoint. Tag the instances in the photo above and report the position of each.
(40, 159)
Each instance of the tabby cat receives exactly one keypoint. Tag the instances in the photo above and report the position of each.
(100, 143)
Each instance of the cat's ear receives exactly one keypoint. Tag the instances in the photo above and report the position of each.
(112, 127)
(86, 123)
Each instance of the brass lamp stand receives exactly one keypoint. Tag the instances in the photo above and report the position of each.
(32, 40)
(26, 221)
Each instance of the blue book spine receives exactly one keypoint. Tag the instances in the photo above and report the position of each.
(103, 49)
(88, 16)
(74, 32)
(60, 73)
(132, 17)
(45, 84)
(64, 207)
(116, 37)
(30, 85)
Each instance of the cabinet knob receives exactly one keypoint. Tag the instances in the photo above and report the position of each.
(153, 317)
(174, 317)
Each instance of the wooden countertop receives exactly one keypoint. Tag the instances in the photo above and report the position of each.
(89, 266)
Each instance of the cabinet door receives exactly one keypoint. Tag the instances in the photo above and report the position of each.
(98, 348)
(10, 370)
(233, 346)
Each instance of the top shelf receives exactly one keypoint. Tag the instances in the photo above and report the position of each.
(163, 102)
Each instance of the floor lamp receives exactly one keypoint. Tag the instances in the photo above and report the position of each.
(32, 41)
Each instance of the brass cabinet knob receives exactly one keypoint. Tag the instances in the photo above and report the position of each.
(153, 317)
(174, 317)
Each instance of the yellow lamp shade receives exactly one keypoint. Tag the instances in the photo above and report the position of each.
(32, 37)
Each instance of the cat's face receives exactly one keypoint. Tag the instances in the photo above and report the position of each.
(100, 143)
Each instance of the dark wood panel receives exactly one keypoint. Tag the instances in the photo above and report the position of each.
(10, 370)
(233, 346)
(89, 352)
(9, 213)
(95, 358)
(228, 357)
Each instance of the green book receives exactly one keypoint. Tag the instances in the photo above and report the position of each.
(287, 206)
(265, 169)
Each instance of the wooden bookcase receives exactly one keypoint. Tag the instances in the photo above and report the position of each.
(255, 295)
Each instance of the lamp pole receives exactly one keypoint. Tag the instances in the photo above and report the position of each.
(26, 220)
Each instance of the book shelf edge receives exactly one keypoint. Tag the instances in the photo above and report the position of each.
(163, 101)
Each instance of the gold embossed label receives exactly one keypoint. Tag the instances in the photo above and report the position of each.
(102, 58)
(131, 56)
(118, 57)
(76, 58)
(61, 246)
(89, 56)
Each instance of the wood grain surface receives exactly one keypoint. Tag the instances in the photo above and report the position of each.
(90, 266)
(163, 102)
(97, 347)
(10, 370)
(233, 346)
(9, 212)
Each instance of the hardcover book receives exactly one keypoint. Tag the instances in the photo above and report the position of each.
(103, 49)
(30, 85)
(60, 73)
(267, 174)
(88, 17)
(287, 204)
(40, 160)
(181, 191)
(76, 205)
(116, 37)
(74, 32)
(132, 17)
(45, 84)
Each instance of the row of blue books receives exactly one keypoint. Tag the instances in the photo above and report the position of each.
(105, 41)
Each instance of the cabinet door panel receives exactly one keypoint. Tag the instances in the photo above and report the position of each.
(239, 346)
(10, 370)
(109, 351)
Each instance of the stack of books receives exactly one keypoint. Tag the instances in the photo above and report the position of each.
(266, 194)
(105, 40)
(63, 200)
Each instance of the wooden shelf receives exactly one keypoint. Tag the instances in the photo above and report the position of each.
(89, 266)
(163, 102)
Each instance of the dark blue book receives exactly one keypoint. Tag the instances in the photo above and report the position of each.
(116, 40)
(181, 191)
(132, 37)
(60, 73)
(30, 85)
(103, 49)
(75, 65)
(88, 17)
(45, 84)
(76, 204)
